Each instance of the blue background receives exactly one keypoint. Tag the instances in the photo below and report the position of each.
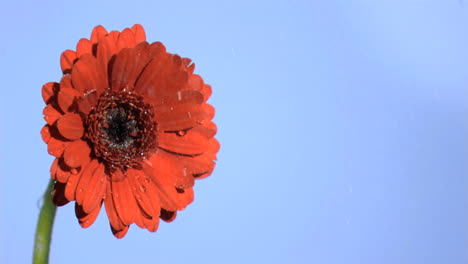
(343, 127)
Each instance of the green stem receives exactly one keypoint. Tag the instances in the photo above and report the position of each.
(44, 227)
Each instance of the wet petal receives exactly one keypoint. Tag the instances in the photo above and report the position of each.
(124, 202)
(95, 189)
(118, 228)
(84, 188)
(55, 147)
(145, 192)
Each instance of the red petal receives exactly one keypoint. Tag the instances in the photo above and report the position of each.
(128, 65)
(84, 46)
(85, 178)
(70, 126)
(59, 171)
(126, 39)
(66, 97)
(98, 33)
(88, 76)
(124, 201)
(193, 142)
(105, 50)
(139, 33)
(179, 117)
(45, 133)
(151, 224)
(119, 233)
(67, 59)
(48, 90)
(86, 219)
(145, 192)
(55, 147)
(118, 228)
(58, 194)
(95, 189)
(77, 154)
(70, 188)
(51, 114)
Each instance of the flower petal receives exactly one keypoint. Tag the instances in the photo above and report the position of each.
(70, 126)
(118, 228)
(49, 90)
(151, 224)
(95, 189)
(51, 114)
(87, 75)
(179, 117)
(70, 188)
(86, 219)
(128, 65)
(98, 33)
(125, 203)
(59, 171)
(84, 46)
(84, 188)
(126, 39)
(145, 192)
(55, 146)
(139, 33)
(45, 133)
(106, 48)
(67, 59)
(58, 196)
(77, 154)
(66, 98)
(192, 142)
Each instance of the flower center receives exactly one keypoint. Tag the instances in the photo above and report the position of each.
(121, 130)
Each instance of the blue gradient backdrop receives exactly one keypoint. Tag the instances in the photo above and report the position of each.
(343, 126)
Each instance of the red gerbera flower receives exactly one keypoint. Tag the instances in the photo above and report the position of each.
(130, 127)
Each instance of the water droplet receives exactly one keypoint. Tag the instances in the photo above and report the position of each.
(142, 188)
(80, 189)
(189, 114)
(181, 133)
(147, 180)
(179, 95)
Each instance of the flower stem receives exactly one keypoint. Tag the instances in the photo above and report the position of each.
(44, 227)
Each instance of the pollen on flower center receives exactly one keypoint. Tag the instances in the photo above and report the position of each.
(121, 129)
